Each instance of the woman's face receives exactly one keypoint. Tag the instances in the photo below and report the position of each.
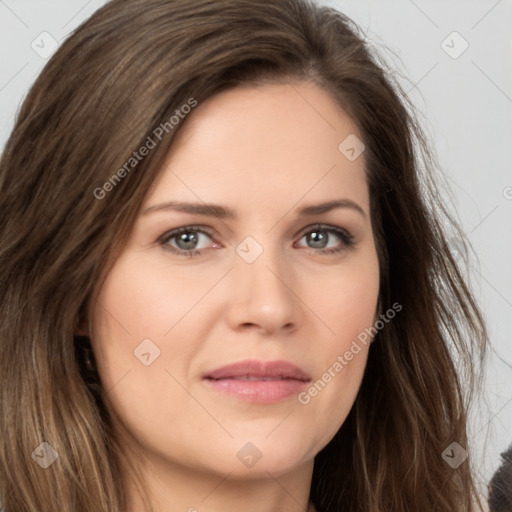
(228, 346)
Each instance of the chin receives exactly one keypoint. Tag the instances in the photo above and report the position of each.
(258, 457)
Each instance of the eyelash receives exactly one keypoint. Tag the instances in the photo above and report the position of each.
(346, 238)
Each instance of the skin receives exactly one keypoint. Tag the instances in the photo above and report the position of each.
(263, 152)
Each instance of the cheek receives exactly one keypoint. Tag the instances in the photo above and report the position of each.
(135, 309)
(345, 300)
(146, 308)
(130, 309)
(147, 301)
(346, 303)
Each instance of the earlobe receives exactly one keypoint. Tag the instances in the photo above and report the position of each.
(81, 332)
(376, 318)
(81, 327)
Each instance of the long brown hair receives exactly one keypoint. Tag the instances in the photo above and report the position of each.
(112, 83)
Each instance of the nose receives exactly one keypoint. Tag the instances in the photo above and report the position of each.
(262, 295)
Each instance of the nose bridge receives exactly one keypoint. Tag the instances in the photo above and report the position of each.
(261, 264)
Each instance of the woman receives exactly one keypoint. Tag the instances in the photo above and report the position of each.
(225, 277)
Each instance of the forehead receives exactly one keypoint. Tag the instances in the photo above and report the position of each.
(255, 145)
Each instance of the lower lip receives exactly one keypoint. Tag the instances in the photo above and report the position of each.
(260, 391)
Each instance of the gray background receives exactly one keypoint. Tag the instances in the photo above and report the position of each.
(466, 102)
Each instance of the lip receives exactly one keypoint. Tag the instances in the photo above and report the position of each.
(258, 381)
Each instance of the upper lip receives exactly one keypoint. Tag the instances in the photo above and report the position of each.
(254, 368)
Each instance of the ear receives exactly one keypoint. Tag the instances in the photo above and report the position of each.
(81, 327)
(378, 312)
(82, 331)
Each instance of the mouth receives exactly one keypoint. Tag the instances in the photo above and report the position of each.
(258, 381)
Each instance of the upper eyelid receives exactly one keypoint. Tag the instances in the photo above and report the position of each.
(326, 227)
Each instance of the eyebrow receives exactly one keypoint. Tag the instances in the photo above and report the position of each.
(222, 212)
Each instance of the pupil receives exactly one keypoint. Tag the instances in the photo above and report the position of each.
(187, 240)
(318, 239)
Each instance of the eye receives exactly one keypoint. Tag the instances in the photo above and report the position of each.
(187, 241)
(327, 239)
(192, 240)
